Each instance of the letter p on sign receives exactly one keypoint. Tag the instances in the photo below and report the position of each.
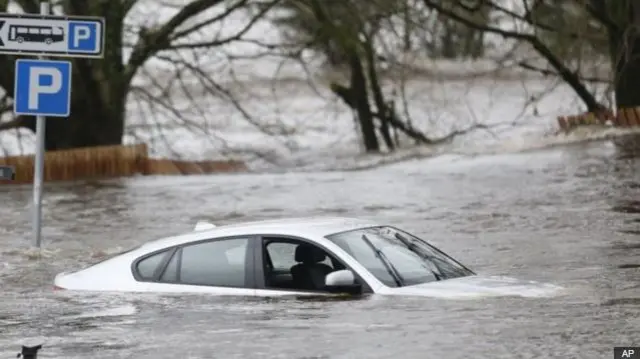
(38, 86)
(81, 33)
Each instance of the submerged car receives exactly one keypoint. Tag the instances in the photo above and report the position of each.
(304, 256)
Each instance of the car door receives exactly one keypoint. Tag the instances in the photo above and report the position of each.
(275, 256)
(222, 266)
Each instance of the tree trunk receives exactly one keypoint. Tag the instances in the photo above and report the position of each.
(408, 28)
(448, 49)
(624, 44)
(625, 52)
(378, 97)
(91, 123)
(627, 83)
(361, 100)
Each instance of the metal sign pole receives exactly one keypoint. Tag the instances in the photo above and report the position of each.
(38, 174)
(46, 35)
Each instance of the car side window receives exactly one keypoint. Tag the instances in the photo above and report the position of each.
(170, 273)
(146, 268)
(217, 263)
(296, 265)
(282, 255)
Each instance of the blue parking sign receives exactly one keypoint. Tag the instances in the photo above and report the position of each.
(83, 37)
(42, 88)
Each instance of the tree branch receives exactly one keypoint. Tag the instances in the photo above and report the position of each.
(128, 4)
(76, 7)
(186, 32)
(157, 40)
(18, 122)
(470, 23)
(529, 18)
(546, 72)
(598, 10)
(235, 37)
(570, 77)
(209, 84)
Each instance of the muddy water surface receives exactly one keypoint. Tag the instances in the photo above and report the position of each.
(567, 216)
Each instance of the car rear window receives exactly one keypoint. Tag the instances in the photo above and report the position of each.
(146, 267)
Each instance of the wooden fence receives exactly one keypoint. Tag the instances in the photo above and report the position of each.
(109, 162)
(626, 117)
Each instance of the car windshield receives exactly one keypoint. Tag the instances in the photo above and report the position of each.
(398, 258)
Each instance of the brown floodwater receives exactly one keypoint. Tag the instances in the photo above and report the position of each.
(567, 215)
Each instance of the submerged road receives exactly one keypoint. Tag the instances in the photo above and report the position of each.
(568, 216)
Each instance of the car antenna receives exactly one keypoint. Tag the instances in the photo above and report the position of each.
(203, 226)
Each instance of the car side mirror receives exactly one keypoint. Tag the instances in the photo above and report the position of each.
(342, 281)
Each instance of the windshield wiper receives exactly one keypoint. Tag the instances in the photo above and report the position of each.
(387, 264)
(413, 247)
(439, 256)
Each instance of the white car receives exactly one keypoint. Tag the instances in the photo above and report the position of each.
(306, 256)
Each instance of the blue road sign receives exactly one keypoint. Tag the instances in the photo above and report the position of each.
(83, 37)
(42, 88)
(67, 36)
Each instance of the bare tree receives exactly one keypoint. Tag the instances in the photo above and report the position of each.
(620, 20)
(102, 88)
(351, 33)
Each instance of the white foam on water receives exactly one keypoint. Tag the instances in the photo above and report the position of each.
(542, 141)
(480, 286)
(225, 331)
(124, 310)
(32, 253)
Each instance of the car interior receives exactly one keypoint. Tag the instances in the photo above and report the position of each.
(296, 265)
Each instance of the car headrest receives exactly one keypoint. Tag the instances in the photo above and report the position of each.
(306, 253)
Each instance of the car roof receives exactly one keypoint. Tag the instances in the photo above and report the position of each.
(319, 225)
(301, 226)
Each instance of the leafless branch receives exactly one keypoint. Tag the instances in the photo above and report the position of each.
(127, 5)
(546, 72)
(598, 10)
(194, 28)
(13, 124)
(218, 42)
(568, 75)
(142, 105)
(159, 39)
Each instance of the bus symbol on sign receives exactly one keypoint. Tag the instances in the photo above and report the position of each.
(46, 34)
